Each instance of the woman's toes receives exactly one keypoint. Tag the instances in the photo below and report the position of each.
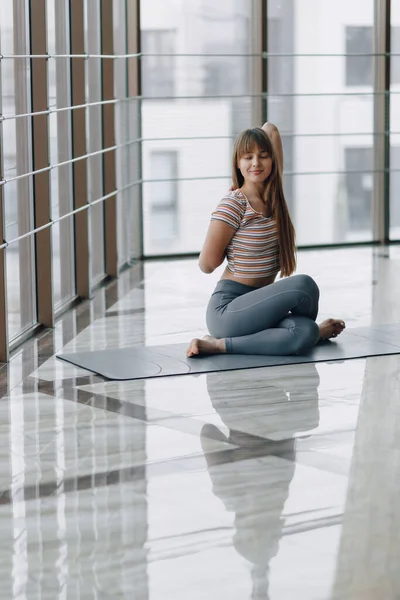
(193, 348)
(331, 328)
(338, 327)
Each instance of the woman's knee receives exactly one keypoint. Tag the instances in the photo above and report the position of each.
(307, 284)
(307, 337)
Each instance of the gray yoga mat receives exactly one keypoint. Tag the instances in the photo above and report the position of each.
(141, 362)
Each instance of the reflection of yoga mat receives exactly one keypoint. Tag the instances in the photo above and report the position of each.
(140, 362)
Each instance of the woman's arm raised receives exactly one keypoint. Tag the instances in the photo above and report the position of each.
(218, 236)
(273, 133)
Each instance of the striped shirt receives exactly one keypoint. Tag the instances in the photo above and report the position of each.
(254, 249)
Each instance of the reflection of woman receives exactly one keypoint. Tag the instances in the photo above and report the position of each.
(248, 313)
(257, 491)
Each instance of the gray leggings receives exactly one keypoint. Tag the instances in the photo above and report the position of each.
(277, 319)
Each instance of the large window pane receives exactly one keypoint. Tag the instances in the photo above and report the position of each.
(163, 196)
(95, 137)
(18, 199)
(319, 85)
(159, 72)
(193, 107)
(60, 152)
(320, 89)
(121, 120)
(395, 125)
(395, 188)
(127, 122)
(359, 40)
(203, 167)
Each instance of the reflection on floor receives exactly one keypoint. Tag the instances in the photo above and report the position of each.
(278, 483)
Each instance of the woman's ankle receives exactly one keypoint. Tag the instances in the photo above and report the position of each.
(226, 345)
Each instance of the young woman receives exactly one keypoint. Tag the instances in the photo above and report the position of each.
(250, 313)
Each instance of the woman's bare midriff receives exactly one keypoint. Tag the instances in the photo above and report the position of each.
(256, 282)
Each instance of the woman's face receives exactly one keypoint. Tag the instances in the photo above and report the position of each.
(255, 166)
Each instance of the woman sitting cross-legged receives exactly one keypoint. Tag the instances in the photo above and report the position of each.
(249, 312)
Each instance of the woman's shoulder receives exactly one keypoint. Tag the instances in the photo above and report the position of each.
(231, 209)
(237, 194)
(236, 197)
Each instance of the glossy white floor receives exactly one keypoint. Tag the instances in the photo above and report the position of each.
(279, 483)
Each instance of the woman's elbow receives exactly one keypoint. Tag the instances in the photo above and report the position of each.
(208, 264)
(209, 261)
(270, 128)
(206, 268)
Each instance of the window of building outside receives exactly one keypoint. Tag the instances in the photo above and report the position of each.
(17, 155)
(158, 72)
(395, 49)
(227, 75)
(358, 188)
(280, 102)
(359, 68)
(395, 186)
(164, 195)
(220, 78)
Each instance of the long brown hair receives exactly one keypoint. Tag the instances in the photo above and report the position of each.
(273, 193)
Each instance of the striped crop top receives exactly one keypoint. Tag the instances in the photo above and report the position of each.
(253, 250)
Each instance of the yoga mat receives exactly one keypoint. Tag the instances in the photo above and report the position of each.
(141, 362)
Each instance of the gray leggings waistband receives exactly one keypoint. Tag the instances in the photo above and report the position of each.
(233, 287)
(228, 284)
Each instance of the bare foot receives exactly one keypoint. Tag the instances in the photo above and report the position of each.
(208, 345)
(331, 328)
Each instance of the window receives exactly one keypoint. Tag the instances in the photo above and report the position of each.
(359, 68)
(395, 186)
(158, 72)
(395, 49)
(277, 66)
(359, 188)
(220, 78)
(281, 84)
(164, 195)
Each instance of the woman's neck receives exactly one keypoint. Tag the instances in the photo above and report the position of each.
(254, 190)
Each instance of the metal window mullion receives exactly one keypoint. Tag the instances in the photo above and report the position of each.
(4, 347)
(381, 153)
(79, 149)
(108, 123)
(40, 145)
(135, 122)
(388, 47)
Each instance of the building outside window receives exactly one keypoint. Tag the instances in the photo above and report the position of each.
(164, 195)
(158, 72)
(359, 68)
(359, 186)
(395, 187)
